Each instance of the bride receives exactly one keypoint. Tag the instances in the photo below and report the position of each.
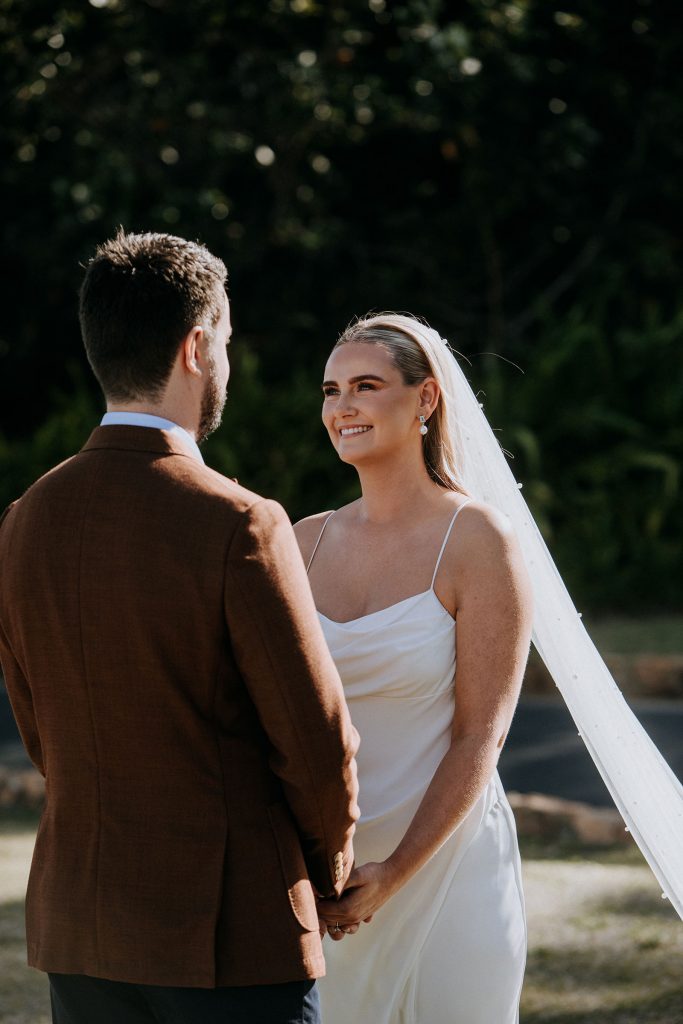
(438, 869)
(396, 575)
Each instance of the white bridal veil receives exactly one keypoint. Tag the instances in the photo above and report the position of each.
(643, 787)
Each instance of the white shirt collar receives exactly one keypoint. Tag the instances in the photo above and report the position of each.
(145, 419)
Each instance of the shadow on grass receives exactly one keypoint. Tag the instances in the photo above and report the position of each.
(18, 821)
(636, 903)
(24, 993)
(603, 966)
(666, 1008)
(11, 922)
(641, 987)
(575, 852)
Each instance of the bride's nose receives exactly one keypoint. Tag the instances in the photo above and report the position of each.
(345, 406)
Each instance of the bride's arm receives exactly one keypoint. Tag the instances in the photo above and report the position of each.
(493, 600)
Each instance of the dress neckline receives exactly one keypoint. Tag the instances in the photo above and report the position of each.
(388, 608)
(406, 600)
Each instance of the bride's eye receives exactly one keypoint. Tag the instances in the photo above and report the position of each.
(329, 390)
(366, 384)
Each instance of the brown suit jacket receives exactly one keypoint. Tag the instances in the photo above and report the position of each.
(169, 678)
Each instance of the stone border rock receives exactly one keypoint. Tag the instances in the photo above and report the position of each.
(550, 818)
(21, 789)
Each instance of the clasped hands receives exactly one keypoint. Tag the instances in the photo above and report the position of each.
(368, 887)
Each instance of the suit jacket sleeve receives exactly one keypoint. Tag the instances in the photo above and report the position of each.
(283, 658)
(17, 686)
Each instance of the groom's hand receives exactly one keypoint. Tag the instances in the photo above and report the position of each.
(368, 887)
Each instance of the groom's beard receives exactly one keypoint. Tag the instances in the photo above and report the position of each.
(213, 403)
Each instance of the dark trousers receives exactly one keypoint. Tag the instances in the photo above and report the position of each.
(79, 999)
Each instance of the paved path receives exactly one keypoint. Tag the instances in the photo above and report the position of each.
(543, 753)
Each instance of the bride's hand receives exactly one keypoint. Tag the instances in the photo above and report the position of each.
(368, 887)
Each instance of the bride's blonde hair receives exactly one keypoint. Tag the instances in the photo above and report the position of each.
(418, 352)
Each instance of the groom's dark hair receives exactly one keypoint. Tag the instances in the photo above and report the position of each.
(141, 295)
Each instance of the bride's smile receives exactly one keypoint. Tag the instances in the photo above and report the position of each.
(350, 431)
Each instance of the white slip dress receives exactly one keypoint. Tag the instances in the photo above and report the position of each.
(450, 946)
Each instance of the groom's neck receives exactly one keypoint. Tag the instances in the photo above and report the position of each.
(164, 409)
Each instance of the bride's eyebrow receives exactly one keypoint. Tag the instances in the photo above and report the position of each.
(355, 380)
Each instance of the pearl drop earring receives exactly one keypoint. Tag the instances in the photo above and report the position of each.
(423, 426)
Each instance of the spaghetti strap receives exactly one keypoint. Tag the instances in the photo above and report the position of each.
(320, 537)
(445, 540)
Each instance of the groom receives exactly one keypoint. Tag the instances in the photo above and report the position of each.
(170, 680)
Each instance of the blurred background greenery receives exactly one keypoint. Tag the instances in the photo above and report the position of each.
(510, 171)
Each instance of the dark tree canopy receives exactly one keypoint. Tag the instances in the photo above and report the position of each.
(510, 171)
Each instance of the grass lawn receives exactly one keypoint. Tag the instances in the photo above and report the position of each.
(23, 992)
(604, 948)
(619, 634)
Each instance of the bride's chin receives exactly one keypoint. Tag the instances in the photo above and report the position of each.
(356, 459)
(349, 460)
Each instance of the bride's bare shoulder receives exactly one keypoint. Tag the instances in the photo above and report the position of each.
(480, 530)
(484, 542)
(483, 520)
(308, 530)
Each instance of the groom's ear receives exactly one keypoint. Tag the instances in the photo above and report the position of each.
(191, 351)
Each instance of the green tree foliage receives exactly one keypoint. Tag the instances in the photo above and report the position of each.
(510, 171)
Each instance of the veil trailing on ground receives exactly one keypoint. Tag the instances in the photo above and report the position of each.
(643, 787)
